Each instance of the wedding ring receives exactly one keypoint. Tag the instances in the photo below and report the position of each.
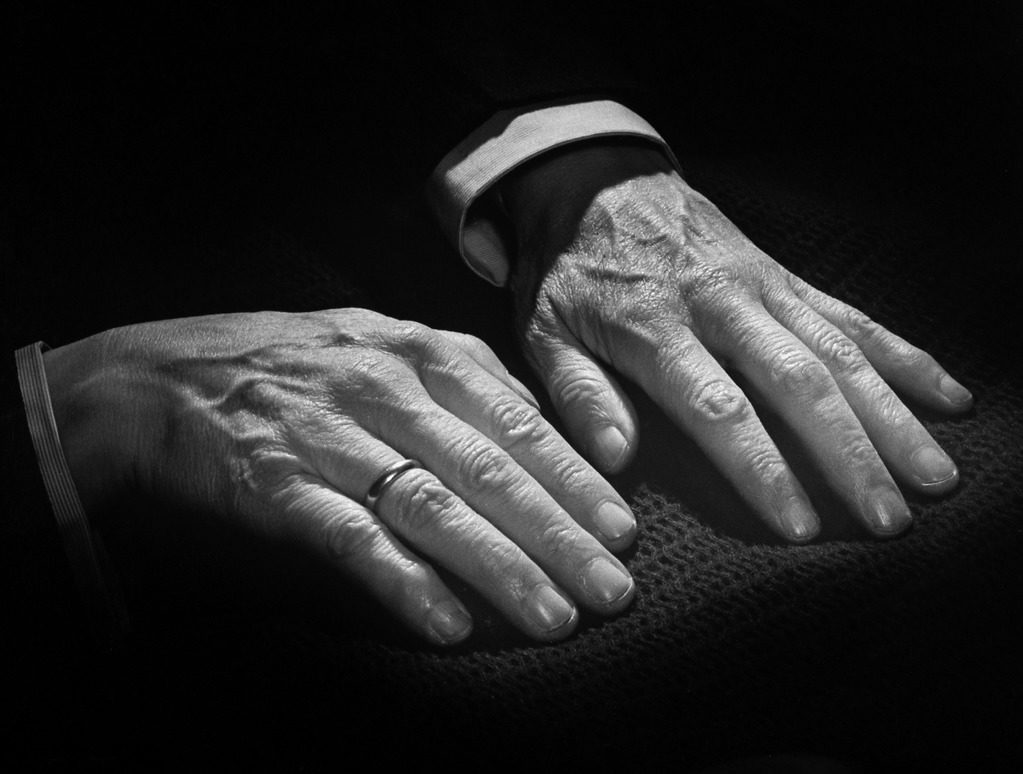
(390, 474)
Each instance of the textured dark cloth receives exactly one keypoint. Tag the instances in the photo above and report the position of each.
(901, 654)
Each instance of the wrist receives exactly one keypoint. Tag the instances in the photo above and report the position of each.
(548, 196)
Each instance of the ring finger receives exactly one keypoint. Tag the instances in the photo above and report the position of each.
(430, 518)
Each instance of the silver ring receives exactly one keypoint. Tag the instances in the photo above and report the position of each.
(391, 474)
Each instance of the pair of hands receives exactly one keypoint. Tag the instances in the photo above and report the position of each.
(282, 422)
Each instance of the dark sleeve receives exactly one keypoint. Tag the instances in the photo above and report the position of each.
(446, 72)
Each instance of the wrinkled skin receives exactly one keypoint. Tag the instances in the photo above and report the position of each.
(623, 267)
(281, 422)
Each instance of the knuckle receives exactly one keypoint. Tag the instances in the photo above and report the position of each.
(890, 409)
(516, 422)
(558, 540)
(263, 470)
(371, 374)
(485, 467)
(838, 351)
(857, 322)
(719, 401)
(706, 284)
(423, 502)
(806, 378)
(766, 465)
(859, 453)
(571, 474)
(348, 535)
(417, 343)
(476, 344)
(574, 389)
(254, 394)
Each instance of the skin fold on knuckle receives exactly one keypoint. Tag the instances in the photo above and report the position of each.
(516, 423)
(423, 504)
(484, 467)
(719, 401)
(570, 473)
(348, 536)
(807, 379)
(859, 464)
(578, 392)
(887, 413)
(857, 324)
(558, 543)
(762, 463)
(260, 473)
(706, 288)
(839, 353)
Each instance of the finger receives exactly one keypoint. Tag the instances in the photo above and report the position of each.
(691, 386)
(519, 429)
(489, 362)
(589, 400)
(426, 515)
(495, 486)
(352, 539)
(908, 368)
(903, 443)
(799, 387)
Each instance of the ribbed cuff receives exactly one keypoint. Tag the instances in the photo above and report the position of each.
(506, 141)
(100, 595)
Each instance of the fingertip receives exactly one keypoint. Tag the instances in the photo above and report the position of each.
(956, 397)
(552, 615)
(616, 524)
(887, 514)
(448, 623)
(610, 449)
(608, 585)
(798, 522)
(934, 472)
(938, 488)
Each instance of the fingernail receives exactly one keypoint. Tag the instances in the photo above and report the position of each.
(610, 445)
(604, 582)
(889, 512)
(613, 521)
(798, 520)
(449, 622)
(953, 390)
(932, 465)
(549, 609)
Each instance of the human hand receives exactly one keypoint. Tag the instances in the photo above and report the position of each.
(622, 264)
(281, 423)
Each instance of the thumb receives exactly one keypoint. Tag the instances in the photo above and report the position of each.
(599, 416)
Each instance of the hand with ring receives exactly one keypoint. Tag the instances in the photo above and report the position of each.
(386, 447)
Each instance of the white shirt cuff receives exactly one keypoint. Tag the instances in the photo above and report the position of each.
(458, 184)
